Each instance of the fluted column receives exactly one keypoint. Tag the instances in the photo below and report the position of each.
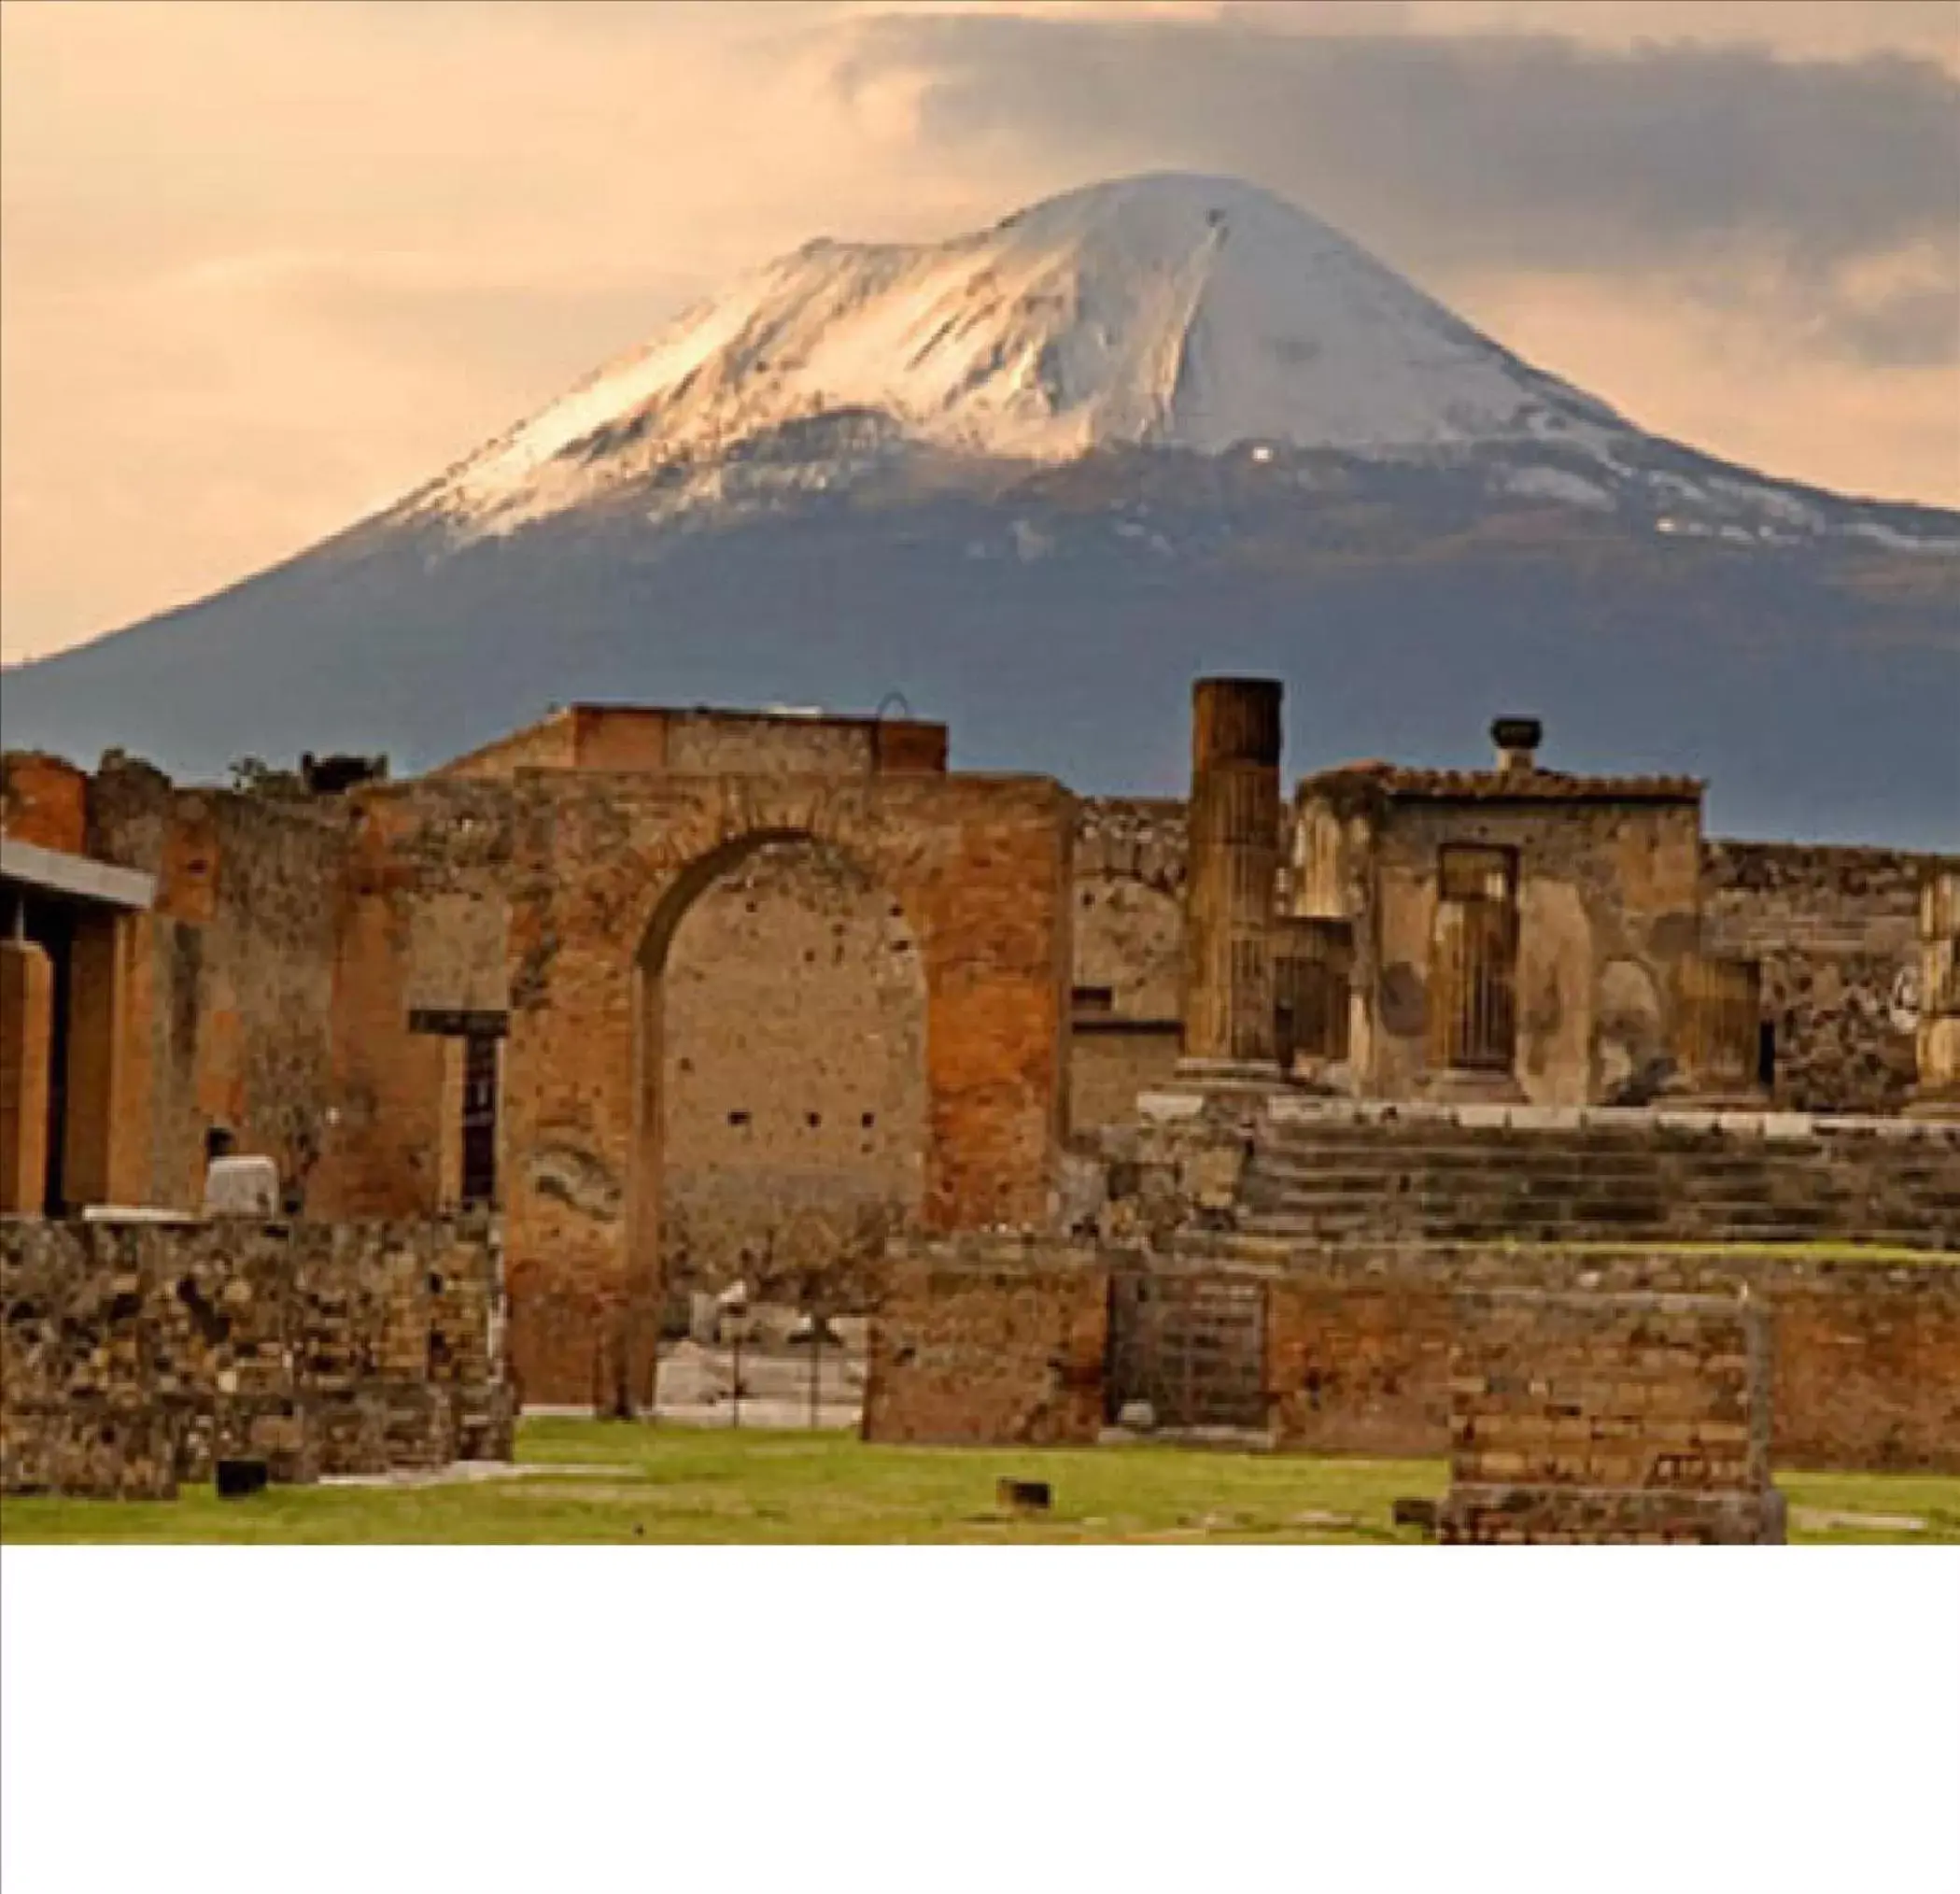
(1233, 869)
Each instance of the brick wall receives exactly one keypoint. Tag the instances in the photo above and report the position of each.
(1866, 1359)
(230, 978)
(605, 870)
(994, 1352)
(1358, 1361)
(1837, 932)
(636, 739)
(1109, 1063)
(43, 800)
(131, 1356)
(1597, 1416)
(792, 1085)
(423, 923)
(1357, 1342)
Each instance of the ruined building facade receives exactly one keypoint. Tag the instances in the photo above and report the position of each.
(693, 996)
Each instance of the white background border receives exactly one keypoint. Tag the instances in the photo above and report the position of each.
(980, 1720)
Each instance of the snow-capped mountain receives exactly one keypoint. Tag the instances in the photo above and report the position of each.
(1035, 477)
(1166, 311)
(1162, 312)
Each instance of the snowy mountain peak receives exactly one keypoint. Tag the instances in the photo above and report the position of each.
(1161, 310)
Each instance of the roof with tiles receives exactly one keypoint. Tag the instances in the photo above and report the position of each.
(1391, 782)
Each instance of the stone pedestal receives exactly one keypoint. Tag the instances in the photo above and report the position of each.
(1937, 1093)
(26, 1034)
(1459, 1085)
(1231, 1029)
(1588, 1418)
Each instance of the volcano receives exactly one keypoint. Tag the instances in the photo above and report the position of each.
(1032, 480)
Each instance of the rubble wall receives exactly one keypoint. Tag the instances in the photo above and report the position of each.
(134, 1355)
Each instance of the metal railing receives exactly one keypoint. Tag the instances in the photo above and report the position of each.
(1313, 971)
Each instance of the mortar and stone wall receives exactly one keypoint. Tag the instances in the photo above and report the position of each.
(986, 1345)
(219, 996)
(1609, 1419)
(1607, 900)
(132, 1356)
(1833, 928)
(1355, 1344)
(232, 976)
(793, 1080)
(647, 739)
(895, 1023)
(1128, 921)
(1837, 933)
(607, 870)
(423, 927)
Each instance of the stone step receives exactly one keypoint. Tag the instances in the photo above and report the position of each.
(1504, 1187)
(1937, 1177)
(1816, 1181)
(1772, 1150)
(1564, 1199)
(1562, 1212)
(1490, 1179)
(1270, 1250)
(1689, 1219)
(1485, 1137)
(1309, 1231)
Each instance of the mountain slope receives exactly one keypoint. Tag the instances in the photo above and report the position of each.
(1037, 477)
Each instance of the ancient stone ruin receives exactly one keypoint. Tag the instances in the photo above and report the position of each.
(1200, 1111)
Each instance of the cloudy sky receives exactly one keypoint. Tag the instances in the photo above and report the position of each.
(266, 266)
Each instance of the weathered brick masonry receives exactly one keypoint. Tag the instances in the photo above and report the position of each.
(604, 870)
(318, 971)
(1356, 1353)
(991, 1350)
(1128, 927)
(230, 980)
(1616, 1417)
(134, 1355)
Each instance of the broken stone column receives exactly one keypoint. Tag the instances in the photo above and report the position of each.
(1937, 1093)
(1230, 1028)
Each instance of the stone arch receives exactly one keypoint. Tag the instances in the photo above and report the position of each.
(604, 870)
(780, 1117)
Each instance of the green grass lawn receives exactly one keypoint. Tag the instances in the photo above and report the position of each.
(598, 1483)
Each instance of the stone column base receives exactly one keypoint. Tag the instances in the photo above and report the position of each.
(1689, 1100)
(1942, 1106)
(1474, 1088)
(1593, 1515)
(1226, 1075)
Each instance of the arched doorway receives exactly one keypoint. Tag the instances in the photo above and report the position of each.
(604, 872)
(783, 1125)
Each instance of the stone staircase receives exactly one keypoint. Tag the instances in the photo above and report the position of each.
(1433, 1180)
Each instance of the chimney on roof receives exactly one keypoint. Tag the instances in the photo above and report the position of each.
(1518, 740)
